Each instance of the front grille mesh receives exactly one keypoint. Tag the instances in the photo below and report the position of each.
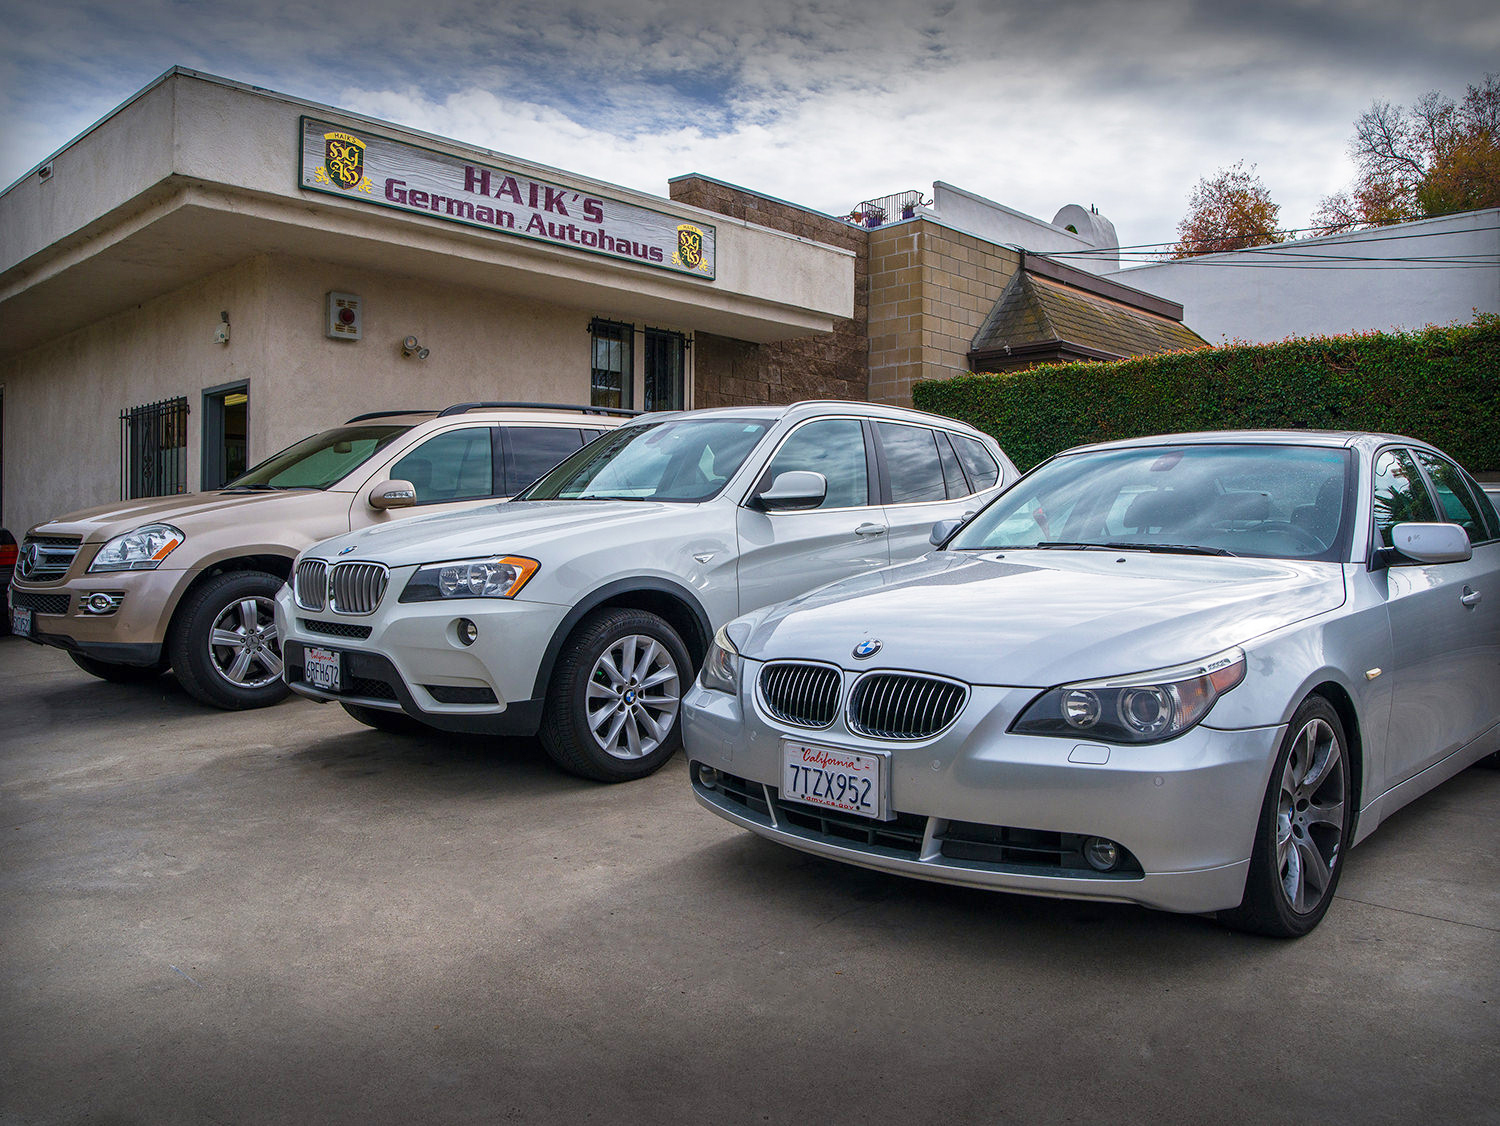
(357, 588)
(312, 584)
(334, 629)
(805, 695)
(904, 706)
(40, 603)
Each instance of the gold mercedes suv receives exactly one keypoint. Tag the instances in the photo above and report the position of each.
(188, 582)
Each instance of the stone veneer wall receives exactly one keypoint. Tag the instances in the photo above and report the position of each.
(930, 289)
(731, 372)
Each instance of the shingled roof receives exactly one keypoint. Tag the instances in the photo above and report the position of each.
(1048, 319)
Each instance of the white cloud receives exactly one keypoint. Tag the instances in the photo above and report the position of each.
(824, 102)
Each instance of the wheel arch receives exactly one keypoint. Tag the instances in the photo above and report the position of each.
(278, 565)
(676, 604)
(1342, 702)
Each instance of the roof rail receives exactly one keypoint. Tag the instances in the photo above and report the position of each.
(383, 414)
(462, 408)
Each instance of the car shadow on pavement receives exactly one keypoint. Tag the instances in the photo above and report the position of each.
(437, 762)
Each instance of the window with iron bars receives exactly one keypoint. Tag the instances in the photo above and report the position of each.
(153, 449)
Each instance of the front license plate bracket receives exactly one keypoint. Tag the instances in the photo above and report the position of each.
(855, 782)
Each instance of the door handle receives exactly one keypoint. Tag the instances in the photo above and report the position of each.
(870, 530)
(1470, 597)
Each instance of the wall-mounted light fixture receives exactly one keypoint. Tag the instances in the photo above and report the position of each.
(221, 336)
(411, 349)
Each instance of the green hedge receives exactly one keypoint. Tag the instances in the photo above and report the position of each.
(1441, 385)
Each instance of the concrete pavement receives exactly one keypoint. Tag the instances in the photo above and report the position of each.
(281, 916)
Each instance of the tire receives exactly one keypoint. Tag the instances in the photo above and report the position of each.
(117, 674)
(598, 722)
(392, 723)
(1303, 834)
(223, 642)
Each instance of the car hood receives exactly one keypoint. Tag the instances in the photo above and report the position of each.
(1039, 618)
(187, 512)
(513, 527)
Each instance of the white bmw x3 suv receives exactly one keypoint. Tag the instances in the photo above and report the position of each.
(581, 609)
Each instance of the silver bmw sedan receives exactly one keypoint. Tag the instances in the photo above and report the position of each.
(1187, 671)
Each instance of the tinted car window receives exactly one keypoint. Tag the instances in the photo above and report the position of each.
(318, 461)
(454, 466)
(1457, 502)
(1400, 494)
(911, 456)
(834, 447)
(952, 473)
(532, 450)
(981, 467)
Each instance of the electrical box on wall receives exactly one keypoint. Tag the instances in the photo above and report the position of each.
(344, 316)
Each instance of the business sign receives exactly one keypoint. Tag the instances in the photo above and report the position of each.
(358, 165)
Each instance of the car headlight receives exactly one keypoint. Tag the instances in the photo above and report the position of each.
(140, 550)
(500, 576)
(721, 668)
(1145, 708)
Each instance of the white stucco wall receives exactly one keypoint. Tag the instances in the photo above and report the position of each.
(63, 400)
(1403, 277)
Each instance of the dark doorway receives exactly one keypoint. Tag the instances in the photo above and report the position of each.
(226, 418)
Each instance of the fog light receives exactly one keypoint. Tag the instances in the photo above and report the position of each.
(468, 632)
(708, 777)
(101, 603)
(1102, 855)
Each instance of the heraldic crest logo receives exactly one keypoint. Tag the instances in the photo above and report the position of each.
(690, 249)
(344, 163)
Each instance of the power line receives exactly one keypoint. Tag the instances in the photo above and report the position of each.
(1273, 247)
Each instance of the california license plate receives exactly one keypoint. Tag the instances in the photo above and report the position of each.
(20, 621)
(323, 668)
(849, 781)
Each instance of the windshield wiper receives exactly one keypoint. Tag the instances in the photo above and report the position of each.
(264, 488)
(1115, 545)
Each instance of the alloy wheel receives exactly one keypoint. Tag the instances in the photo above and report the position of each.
(243, 643)
(1310, 815)
(633, 696)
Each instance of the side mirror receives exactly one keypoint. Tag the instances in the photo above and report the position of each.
(1424, 543)
(793, 490)
(942, 530)
(393, 494)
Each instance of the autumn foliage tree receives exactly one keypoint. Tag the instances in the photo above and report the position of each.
(1231, 210)
(1436, 157)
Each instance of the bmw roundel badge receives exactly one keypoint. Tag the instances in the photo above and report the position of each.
(866, 648)
(348, 549)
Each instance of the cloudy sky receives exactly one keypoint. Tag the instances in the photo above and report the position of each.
(1122, 104)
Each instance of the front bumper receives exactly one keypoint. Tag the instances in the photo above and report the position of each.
(129, 630)
(407, 657)
(979, 807)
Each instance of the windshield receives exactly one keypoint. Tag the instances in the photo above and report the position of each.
(1278, 502)
(319, 461)
(678, 459)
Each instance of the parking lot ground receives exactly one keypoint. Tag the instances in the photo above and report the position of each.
(281, 916)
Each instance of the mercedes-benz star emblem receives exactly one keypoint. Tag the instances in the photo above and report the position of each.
(28, 560)
(867, 648)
